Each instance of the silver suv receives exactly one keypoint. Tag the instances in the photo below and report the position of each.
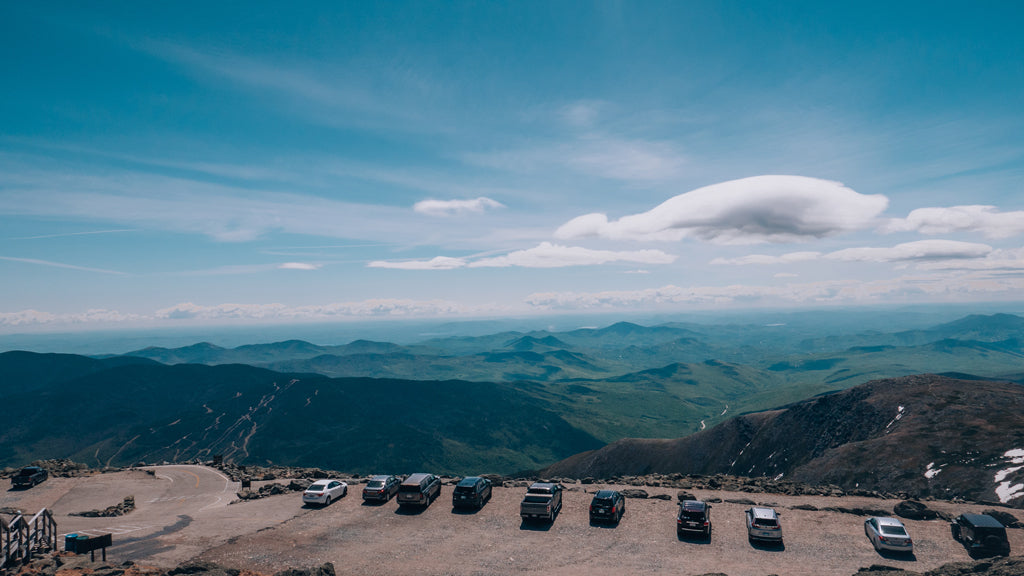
(419, 490)
(763, 524)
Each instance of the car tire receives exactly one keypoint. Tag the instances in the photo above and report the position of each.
(327, 502)
(955, 530)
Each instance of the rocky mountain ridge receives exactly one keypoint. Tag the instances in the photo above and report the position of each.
(926, 435)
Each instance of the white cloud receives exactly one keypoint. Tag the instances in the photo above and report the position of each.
(299, 266)
(911, 288)
(26, 318)
(548, 255)
(767, 259)
(745, 211)
(544, 255)
(456, 207)
(382, 307)
(920, 250)
(909, 251)
(986, 220)
(1009, 260)
(436, 263)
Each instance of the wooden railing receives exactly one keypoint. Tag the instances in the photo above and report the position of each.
(21, 538)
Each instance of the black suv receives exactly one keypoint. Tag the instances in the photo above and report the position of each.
(694, 518)
(607, 505)
(472, 492)
(981, 534)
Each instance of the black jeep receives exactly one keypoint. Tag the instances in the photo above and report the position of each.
(981, 534)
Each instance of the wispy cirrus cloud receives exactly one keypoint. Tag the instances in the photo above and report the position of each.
(51, 264)
(610, 157)
(544, 255)
(433, 207)
(921, 250)
(746, 211)
(985, 220)
(67, 234)
(367, 94)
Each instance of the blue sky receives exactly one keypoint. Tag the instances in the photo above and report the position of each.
(181, 164)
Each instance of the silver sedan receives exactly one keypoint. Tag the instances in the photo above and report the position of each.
(888, 534)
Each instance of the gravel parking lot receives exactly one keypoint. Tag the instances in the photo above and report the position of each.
(183, 513)
(383, 539)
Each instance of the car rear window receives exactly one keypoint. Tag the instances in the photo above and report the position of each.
(537, 499)
(375, 484)
(317, 487)
(765, 522)
(691, 515)
(893, 530)
(409, 488)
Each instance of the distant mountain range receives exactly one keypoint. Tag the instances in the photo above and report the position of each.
(927, 435)
(500, 403)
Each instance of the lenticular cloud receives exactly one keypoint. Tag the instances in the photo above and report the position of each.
(746, 211)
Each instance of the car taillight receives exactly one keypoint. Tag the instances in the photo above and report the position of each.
(679, 520)
(613, 509)
(706, 523)
(591, 507)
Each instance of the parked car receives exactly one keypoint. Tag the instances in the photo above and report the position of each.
(694, 518)
(419, 490)
(981, 534)
(472, 492)
(29, 476)
(607, 506)
(381, 488)
(763, 524)
(888, 534)
(543, 501)
(324, 492)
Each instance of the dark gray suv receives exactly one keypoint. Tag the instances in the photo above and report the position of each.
(471, 492)
(607, 505)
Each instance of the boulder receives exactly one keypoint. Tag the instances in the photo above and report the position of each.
(684, 495)
(914, 510)
(1004, 518)
(634, 493)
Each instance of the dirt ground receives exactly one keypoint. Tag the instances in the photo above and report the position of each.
(184, 513)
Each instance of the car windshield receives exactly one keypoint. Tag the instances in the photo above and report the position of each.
(375, 484)
(893, 530)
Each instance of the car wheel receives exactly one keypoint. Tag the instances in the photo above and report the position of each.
(327, 502)
(955, 530)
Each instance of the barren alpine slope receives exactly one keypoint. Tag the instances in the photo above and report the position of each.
(183, 513)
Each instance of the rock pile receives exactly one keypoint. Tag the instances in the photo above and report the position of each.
(59, 468)
(124, 507)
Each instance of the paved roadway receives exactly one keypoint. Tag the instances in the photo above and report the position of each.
(180, 510)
